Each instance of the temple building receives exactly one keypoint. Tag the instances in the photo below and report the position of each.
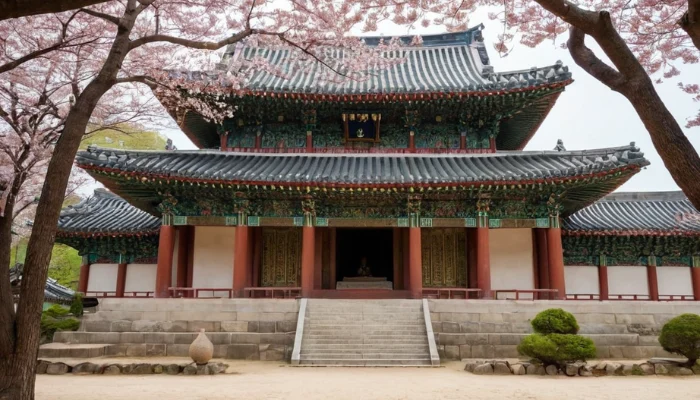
(410, 183)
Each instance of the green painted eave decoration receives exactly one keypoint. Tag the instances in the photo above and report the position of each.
(116, 249)
(629, 250)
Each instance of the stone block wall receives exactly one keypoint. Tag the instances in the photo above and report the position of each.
(493, 329)
(252, 329)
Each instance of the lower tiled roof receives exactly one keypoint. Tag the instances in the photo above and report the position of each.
(105, 213)
(642, 213)
(360, 169)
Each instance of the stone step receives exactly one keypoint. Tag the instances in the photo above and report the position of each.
(359, 324)
(64, 350)
(370, 356)
(366, 363)
(365, 310)
(359, 341)
(366, 346)
(366, 328)
(358, 318)
(367, 336)
(311, 352)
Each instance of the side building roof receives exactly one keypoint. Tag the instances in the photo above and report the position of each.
(105, 214)
(636, 214)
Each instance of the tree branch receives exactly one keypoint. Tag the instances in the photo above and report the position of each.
(22, 8)
(586, 59)
(106, 17)
(193, 44)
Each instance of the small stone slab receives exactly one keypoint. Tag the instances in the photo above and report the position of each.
(501, 368)
(483, 369)
(57, 369)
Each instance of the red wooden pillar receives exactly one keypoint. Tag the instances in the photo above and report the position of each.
(542, 258)
(412, 142)
(405, 247)
(462, 140)
(257, 255)
(695, 276)
(164, 271)
(471, 258)
(258, 139)
(84, 275)
(603, 291)
(241, 259)
(318, 259)
(190, 258)
(183, 239)
(332, 258)
(555, 256)
(308, 253)
(309, 142)
(121, 279)
(492, 144)
(652, 279)
(415, 263)
(483, 261)
(397, 279)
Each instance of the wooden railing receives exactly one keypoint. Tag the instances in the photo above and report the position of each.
(629, 297)
(583, 296)
(536, 294)
(100, 294)
(272, 292)
(178, 292)
(139, 294)
(451, 293)
(676, 297)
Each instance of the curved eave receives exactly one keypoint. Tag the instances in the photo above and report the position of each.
(89, 234)
(632, 232)
(516, 132)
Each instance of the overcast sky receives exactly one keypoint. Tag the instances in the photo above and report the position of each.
(587, 115)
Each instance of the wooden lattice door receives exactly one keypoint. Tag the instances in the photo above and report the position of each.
(444, 257)
(281, 257)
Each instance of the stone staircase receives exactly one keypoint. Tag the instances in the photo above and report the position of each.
(365, 333)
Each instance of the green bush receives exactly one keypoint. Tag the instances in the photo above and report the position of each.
(76, 306)
(557, 349)
(56, 311)
(51, 325)
(681, 335)
(555, 320)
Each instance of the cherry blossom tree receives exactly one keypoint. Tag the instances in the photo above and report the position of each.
(640, 38)
(23, 8)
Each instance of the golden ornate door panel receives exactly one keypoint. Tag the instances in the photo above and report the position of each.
(281, 256)
(443, 252)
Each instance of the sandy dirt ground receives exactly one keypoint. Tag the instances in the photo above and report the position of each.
(265, 380)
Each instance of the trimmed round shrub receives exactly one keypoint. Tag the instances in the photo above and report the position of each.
(681, 335)
(555, 320)
(557, 349)
(76, 306)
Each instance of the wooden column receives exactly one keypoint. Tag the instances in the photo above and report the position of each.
(258, 139)
(257, 256)
(415, 263)
(471, 258)
(164, 271)
(397, 279)
(555, 257)
(241, 259)
(183, 242)
(492, 144)
(406, 258)
(84, 275)
(652, 279)
(542, 258)
(483, 261)
(412, 142)
(695, 276)
(190, 259)
(332, 257)
(309, 142)
(318, 258)
(604, 292)
(121, 279)
(462, 140)
(223, 139)
(308, 253)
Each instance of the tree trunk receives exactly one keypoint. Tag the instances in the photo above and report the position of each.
(676, 151)
(7, 309)
(20, 368)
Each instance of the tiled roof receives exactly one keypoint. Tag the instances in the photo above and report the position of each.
(650, 213)
(361, 169)
(453, 62)
(105, 213)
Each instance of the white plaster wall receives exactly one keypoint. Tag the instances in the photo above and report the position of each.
(511, 255)
(628, 280)
(173, 277)
(140, 278)
(213, 258)
(581, 279)
(102, 278)
(674, 280)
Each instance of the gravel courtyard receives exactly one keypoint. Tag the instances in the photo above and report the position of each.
(265, 380)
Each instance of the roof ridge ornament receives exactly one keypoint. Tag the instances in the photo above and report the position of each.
(560, 145)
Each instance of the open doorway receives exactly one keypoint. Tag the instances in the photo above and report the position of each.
(374, 245)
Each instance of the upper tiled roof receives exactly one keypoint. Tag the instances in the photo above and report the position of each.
(106, 213)
(451, 62)
(361, 169)
(643, 213)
